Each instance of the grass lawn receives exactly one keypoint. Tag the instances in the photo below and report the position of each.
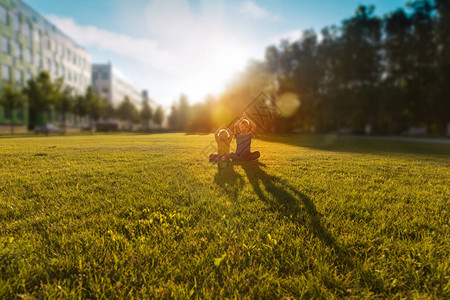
(147, 216)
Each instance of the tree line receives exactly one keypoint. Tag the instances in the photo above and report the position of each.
(371, 74)
(42, 97)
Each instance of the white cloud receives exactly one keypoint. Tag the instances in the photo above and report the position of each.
(181, 51)
(290, 36)
(195, 56)
(250, 9)
(142, 50)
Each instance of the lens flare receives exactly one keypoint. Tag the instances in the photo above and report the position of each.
(221, 114)
(288, 104)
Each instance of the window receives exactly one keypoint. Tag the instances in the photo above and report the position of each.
(5, 44)
(46, 42)
(69, 75)
(19, 51)
(56, 69)
(15, 22)
(17, 48)
(37, 61)
(29, 75)
(27, 54)
(6, 73)
(48, 65)
(69, 57)
(105, 76)
(18, 76)
(3, 15)
(94, 76)
(36, 36)
(26, 29)
(75, 77)
(63, 71)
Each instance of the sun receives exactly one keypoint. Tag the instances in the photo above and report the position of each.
(213, 68)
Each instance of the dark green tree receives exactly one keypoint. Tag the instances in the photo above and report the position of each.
(64, 105)
(81, 107)
(361, 68)
(184, 112)
(174, 118)
(158, 117)
(398, 41)
(128, 112)
(108, 111)
(424, 69)
(94, 105)
(42, 95)
(442, 103)
(329, 61)
(146, 114)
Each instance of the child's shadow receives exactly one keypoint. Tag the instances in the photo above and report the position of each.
(288, 201)
(228, 179)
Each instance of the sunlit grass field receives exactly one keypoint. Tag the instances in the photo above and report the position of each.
(145, 216)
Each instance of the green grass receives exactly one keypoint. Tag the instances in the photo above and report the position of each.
(146, 216)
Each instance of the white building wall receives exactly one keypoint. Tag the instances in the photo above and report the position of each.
(112, 86)
(52, 50)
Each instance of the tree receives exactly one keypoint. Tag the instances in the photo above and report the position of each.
(41, 94)
(423, 74)
(443, 37)
(395, 108)
(158, 117)
(174, 118)
(94, 105)
(146, 114)
(361, 69)
(81, 107)
(184, 112)
(64, 104)
(201, 117)
(328, 56)
(108, 111)
(11, 100)
(300, 63)
(127, 112)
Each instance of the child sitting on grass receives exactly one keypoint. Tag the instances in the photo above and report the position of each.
(244, 129)
(223, 138)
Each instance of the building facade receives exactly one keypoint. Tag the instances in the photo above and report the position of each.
(112, 86)
(29, 43)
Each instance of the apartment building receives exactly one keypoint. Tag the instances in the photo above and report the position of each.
(30, 43)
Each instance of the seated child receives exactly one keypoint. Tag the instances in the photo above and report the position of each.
(223, 138)
(243, 132)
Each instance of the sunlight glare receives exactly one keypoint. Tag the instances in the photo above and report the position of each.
(288, 104)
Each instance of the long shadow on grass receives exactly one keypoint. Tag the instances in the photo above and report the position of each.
(228, 179)
(288, 203)
(287, 200)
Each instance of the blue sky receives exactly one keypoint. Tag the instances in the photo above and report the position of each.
(191, 46)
